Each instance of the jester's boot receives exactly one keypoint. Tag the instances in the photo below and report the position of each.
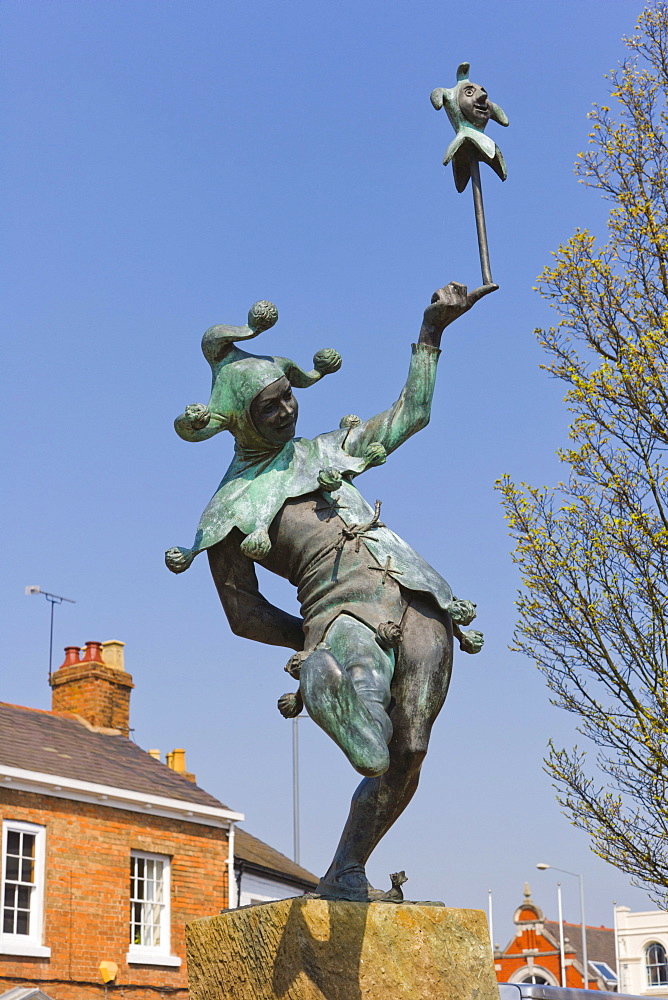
(353, 885)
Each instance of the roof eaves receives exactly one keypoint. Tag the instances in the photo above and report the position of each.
(252, 867)
(117, 798)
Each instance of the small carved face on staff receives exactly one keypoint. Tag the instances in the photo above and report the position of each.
(474, 105)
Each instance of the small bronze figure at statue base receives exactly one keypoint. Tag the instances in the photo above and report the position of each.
(318, 949)
(333, 890)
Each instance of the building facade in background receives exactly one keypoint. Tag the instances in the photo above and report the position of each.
(643, 951)
(106, 851)
(534, 955)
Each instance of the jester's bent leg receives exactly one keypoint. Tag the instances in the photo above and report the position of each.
(345, 685)
(419, 686)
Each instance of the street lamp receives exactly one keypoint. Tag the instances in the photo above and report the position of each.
(543, 867)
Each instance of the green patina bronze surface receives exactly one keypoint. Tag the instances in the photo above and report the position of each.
(374, 640)
(469, 110)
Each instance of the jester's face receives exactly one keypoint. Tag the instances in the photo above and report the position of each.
(473, 104)
(274, 412)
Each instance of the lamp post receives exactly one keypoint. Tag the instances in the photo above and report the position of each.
(491, 919)
(562, 953)
(543, 867)
(295, 789)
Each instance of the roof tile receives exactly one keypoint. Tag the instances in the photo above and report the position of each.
(55, 744)
(256, 852)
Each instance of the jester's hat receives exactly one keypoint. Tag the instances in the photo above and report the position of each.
(238, 376)
(468, 133)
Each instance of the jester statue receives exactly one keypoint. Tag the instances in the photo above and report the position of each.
(373, 648)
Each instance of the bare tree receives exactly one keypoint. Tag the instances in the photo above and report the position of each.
(593, 550)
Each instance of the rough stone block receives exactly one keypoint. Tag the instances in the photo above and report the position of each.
(316, 949)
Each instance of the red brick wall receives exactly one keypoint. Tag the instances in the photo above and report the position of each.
(531, 944)
(86, 901)
(99, 693)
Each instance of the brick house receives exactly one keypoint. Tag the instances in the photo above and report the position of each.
(533, 955)
(106, 851)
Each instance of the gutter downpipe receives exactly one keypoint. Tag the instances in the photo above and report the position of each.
(232, 893)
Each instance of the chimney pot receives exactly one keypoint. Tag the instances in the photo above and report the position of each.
(71, 655)
(155, 754)
(93, 653)
(176, 760)
(112, 652)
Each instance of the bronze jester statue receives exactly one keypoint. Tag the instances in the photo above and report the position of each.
(374, 644)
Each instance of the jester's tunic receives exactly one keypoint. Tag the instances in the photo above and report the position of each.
(328, 545)
(334, 574)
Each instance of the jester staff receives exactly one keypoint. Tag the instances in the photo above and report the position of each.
(469, 110)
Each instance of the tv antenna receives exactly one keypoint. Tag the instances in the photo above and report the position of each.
(53, 599)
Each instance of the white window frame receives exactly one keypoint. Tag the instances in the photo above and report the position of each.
(651, 944)
(154, 954)
(31, 944)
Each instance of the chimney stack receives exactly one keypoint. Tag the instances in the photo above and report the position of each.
(95, 686)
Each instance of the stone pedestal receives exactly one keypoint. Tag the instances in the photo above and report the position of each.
(316, 949)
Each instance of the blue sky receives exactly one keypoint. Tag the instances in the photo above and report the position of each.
(172, 161)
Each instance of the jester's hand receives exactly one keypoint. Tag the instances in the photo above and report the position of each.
(197, 415)
(447, 304)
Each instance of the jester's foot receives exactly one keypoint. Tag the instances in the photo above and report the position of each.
(352, 885)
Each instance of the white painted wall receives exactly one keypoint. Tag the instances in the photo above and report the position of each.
(262, 890)
(636, 931)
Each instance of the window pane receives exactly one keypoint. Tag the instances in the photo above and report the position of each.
(12, 869)
(9, 915)
(22, 922)
(23, 897)
(27, 868)
(135, 923)
(13, 841)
